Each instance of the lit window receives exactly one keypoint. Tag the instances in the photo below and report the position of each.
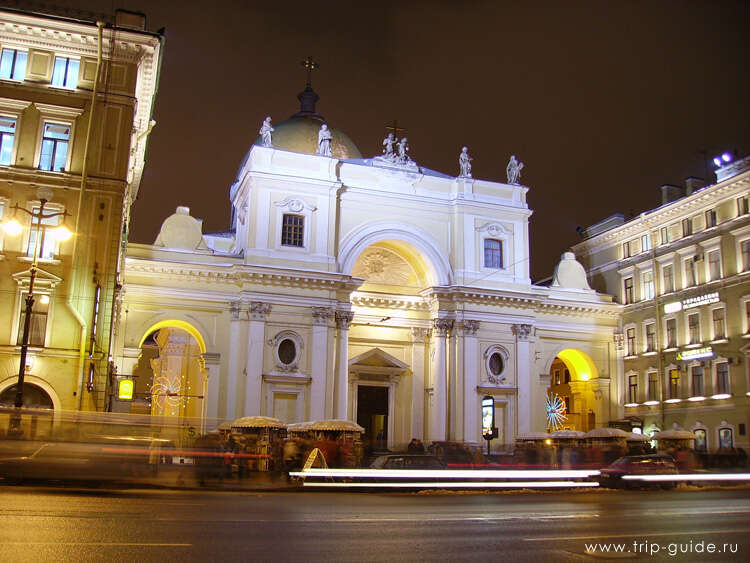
(648, 285)
(38, 322)
(701, 442)
(557, 377)
(742, 206)
(687, 227)
(628, 291)
(633, 389)
(697, 377)
(726, 440)
(714, 265)
(630, 337)
(710, 218)
(293, 230)
(694, 329)
(13, 64)
(718, 322)
(65, 72)
(645, 243)
(671, 333)
(650, 337)
(653, 386)
(722, 378)
(493, 253)
(745, 249)
(674, 384)
(55, 139)
(47, 242)
(668, 279)
(7, 138)
(689, 272)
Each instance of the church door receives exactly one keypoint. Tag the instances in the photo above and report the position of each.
(372, 415)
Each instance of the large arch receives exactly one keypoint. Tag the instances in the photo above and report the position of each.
(433, 259)
(175, 323)
(578, 362)
(33, 380)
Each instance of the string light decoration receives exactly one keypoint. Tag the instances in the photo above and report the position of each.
(555, 409)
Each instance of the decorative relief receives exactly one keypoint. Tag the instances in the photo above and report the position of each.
(523, 331)
(234, 310)
(468, 327)
(379, 265)
(321, 315)
(442, 326)
(419, 334)
(295, 205)
(619, 339)
(493, 229)
(258, 311)
(344, 319)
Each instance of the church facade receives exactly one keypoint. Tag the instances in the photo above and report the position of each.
(368, 289)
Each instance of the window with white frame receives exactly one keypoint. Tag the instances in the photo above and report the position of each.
(687, 227)
(726, 439)
(694, 328)
(696, 376)
(653, 386)
(627, 250)
(689, 272)
(701, 440)
(674, 383)
(718, 323)
(54, 151)
(710, 218)
(47, 242)
(714, 265)
(13, 64)
(493, 253)
(293, 230)
(633, 389)
(38, 321)
(645, 242)
(647, 285)
(7, 139)
(668, 275)
(745, 251)
(627, 295)
(650, 337)
(630, 341)
(671, 325)
(742, 206)
(722, 378)
(65, 72)
(665, 235)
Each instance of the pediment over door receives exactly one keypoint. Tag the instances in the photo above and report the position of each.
(375, 364)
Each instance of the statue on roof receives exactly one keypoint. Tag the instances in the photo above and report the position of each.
(403, 148)
(464, 163)
(324, 141)
(514, 170)
(265, 132)
(388, 143)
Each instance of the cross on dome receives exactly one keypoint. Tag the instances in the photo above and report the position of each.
(310, 65)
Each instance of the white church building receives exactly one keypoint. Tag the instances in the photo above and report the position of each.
(368, 289)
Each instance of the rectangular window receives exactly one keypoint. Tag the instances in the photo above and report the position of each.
(710, 218)
(557, 377)
(745, 249)
(626, 250)
(493, 253)
(697, 376)
(722, 378)
(38, 323)
(742, 206)
(718, 322)
(671, 333)
(687, 227)
(674, 384)
(566, 377)
(694, 328)
(714, 265)
(648, 285)
(645, 243)
(293, 230)
(668, 279)
(653, 386)
(55, 139)
(7, 139)
(628, 291)
(633, 389)
(665, 238)
(630, 336)
(689, 272)
(13, 64)
(47, 243)
(65, 72)
(650, 337)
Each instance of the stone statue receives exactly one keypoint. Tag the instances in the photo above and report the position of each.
(464, 163)
(388, 143)
(324, 141)
(403, 148)
(514, 170)
(265, 132)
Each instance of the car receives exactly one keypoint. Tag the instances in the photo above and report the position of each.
(652, 464)
(407, 461)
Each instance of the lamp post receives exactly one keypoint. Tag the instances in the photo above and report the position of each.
(13, 227)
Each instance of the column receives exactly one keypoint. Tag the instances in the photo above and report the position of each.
(417, 382)
(319, 368)
(211, 395)
(341, 389)
(254, 368)
(523, 377)
(471, 414)
(438, 375)
(235, 327)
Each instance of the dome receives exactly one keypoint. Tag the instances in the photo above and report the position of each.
(299, 133)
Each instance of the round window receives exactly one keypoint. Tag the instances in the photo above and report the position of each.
(287, 351)
(496, 363)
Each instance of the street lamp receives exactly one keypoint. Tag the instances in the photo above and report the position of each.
(61, 233)
(722, 159)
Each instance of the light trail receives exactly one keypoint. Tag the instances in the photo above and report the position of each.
(690, 477)
(456, 484)
(447, 473)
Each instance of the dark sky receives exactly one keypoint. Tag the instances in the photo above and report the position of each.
(604, 101)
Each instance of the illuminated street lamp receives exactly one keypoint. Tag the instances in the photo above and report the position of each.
(722, 159)
(61, 233)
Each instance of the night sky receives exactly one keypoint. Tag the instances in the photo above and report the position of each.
(604, 101)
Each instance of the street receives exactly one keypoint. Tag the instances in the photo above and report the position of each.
(61, 524)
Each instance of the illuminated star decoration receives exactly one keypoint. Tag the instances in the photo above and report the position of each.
(555, 409)
(166, 393)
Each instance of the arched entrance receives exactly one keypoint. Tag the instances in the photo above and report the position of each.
(571, 373)
(38, 422)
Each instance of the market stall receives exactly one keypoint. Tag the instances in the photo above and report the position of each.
(257, 443)
(340, 441)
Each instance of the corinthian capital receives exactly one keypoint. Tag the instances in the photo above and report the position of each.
(522, 331)
(344, 319)
(442, 326)
(258, 311)
(468, 328)
(321, 315)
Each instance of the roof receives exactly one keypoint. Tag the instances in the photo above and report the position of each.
(257, 422)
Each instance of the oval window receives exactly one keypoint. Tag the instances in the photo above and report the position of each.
(287, 351)
(496, 363)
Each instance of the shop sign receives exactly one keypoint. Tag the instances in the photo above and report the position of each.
(125, 389)
(705, 352)
(700, 300)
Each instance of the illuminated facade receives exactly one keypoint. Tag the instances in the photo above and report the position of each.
(350, 288)
(53, 112)
(682, 272)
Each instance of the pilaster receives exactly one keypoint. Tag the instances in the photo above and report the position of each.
(341, 391)
(254, 369)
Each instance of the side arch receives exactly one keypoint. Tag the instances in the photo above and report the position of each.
(578, 362)
(176, 323)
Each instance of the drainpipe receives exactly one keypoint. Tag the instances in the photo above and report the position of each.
(84, 173)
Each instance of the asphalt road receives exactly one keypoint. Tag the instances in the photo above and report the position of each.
(46, 524)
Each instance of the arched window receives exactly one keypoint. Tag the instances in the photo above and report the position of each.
(493, 253)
